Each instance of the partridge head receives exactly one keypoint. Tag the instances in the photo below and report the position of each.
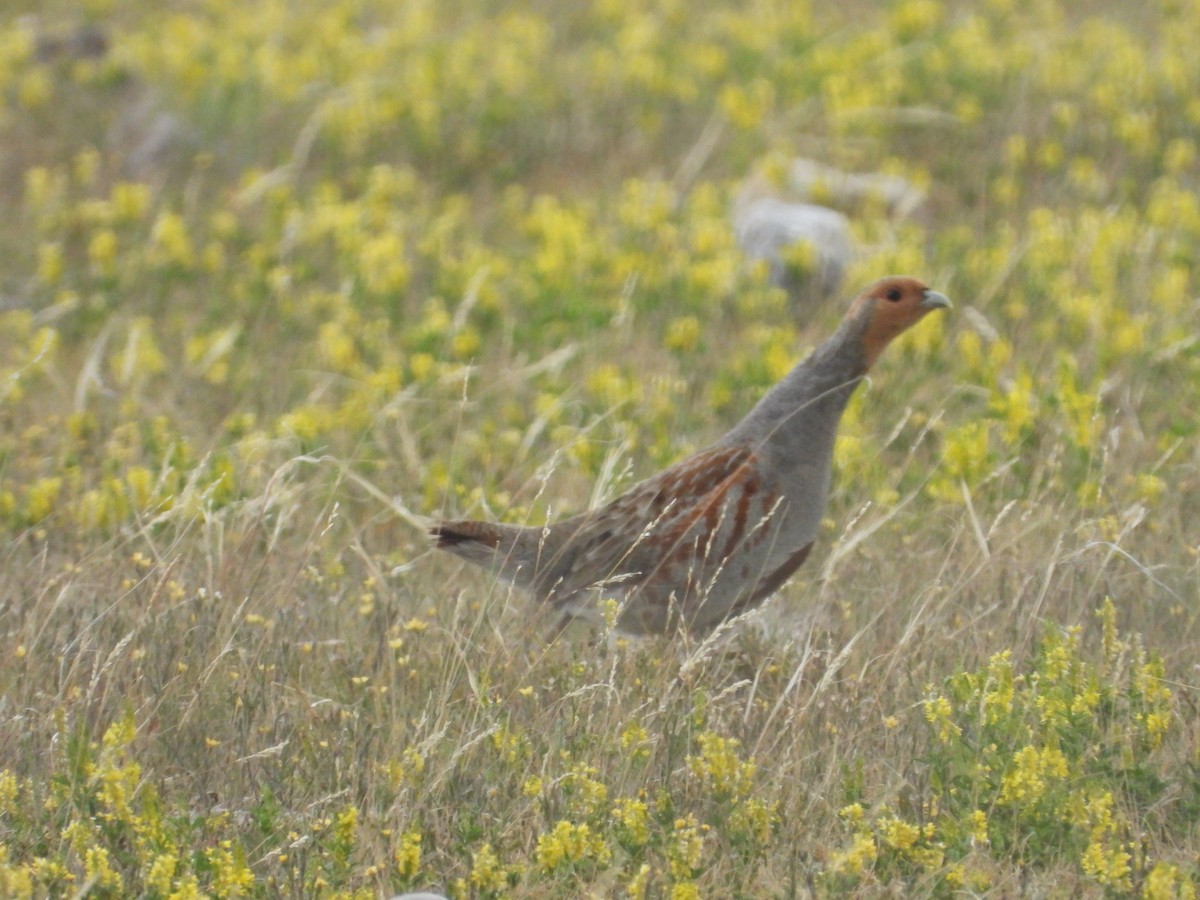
(720, 531)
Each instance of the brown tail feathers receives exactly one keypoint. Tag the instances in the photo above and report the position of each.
(450, 535)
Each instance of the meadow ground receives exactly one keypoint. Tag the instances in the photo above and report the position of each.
(278, 277)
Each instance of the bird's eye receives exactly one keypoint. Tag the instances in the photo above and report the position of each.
(894, 294)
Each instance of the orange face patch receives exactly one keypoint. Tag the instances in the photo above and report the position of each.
(892, 306)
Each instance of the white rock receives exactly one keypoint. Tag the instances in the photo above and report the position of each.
(809, 179)
(768, 228)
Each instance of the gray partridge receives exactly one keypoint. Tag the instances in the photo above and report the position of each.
(720, 531)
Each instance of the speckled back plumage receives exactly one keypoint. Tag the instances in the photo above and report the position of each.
(718, 532)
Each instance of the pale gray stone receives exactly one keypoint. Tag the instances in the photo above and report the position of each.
(809, 179)
(769, 229)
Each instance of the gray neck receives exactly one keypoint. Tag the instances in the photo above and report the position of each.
(800, 415)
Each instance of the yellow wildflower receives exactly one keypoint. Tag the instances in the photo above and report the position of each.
(408, 854)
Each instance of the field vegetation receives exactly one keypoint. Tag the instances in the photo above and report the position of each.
(279, 278)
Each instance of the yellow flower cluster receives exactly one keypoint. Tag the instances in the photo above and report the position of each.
(487, 873)
(1037, 748)
(405, 770)
(859, 858)
(1034, 771)
(632, 820)
(686, 850)
(585, 794)
(1106, 859)
(570, 844)
(938, 713)
(886, 844)
(721, 767)
(408, 854)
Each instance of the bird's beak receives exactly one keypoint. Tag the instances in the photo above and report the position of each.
(934, 300)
